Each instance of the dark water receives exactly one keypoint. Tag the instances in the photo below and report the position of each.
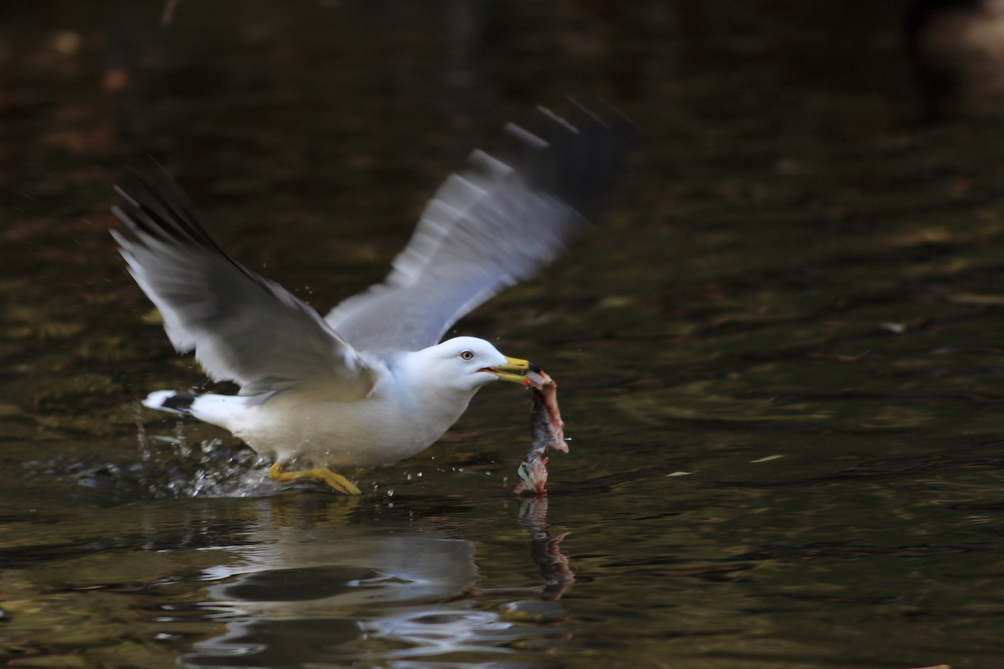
(781, 351)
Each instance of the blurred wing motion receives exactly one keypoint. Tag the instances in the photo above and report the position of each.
(242, 327)
(487, 228)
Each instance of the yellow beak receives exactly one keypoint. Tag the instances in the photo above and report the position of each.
(513, 370)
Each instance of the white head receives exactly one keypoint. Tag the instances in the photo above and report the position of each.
(465, 364)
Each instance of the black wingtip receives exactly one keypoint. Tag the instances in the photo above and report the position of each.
(159, 209)
(578, 159)
(156, 205)
(180, 402)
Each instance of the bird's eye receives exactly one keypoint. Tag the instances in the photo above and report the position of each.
(467, 355)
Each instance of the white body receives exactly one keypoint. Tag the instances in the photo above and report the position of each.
(368, 384)
(416, 398)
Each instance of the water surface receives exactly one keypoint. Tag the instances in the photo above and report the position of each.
(779, 351)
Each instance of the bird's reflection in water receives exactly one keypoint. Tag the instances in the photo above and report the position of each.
(309, 589)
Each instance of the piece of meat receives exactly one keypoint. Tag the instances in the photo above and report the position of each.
(547, 430)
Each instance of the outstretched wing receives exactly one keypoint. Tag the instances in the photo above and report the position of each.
(487, 228)
(243, 328)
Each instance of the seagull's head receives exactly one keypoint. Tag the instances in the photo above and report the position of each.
(467, 363)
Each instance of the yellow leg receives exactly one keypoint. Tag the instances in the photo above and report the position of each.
(323, 474)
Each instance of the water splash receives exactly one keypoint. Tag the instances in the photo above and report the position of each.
(168, 467)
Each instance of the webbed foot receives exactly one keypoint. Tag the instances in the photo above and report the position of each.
(323, 474)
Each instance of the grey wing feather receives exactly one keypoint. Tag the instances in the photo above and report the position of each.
(242, 327)
(487, 228)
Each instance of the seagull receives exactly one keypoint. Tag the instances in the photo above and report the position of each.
(370, 383)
